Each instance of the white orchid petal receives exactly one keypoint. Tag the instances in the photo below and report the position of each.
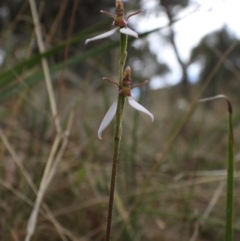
(104, 35)
(107, 119)
(129, 31)
(139, 107)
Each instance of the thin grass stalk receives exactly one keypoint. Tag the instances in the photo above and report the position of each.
(230, 177)
(61, 150)
(47, 177)
(34, 214)
(17, 161)
(230, 170)
(56, 22)
(208, 210)
(29, 181)
(45, 65)
(19, 194)
(49, 216)
(66, 52)
(117, 134)
(123, 213)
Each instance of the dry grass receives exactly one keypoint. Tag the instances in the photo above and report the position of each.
(169, 208)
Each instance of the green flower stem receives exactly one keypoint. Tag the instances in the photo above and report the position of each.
(117, 134)
(230, 178)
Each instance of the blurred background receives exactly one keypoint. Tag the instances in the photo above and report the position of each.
(171, 174)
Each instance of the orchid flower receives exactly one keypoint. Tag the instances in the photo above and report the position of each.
(119, 21)
(125, 91)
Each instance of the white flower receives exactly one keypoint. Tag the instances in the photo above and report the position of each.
(124, 30)
(112, 111)
(119, 21)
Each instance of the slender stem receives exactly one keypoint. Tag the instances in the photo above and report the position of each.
(117, 135)
(230, 179)
(45, 66)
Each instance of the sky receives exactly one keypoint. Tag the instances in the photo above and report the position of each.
(199, 19)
